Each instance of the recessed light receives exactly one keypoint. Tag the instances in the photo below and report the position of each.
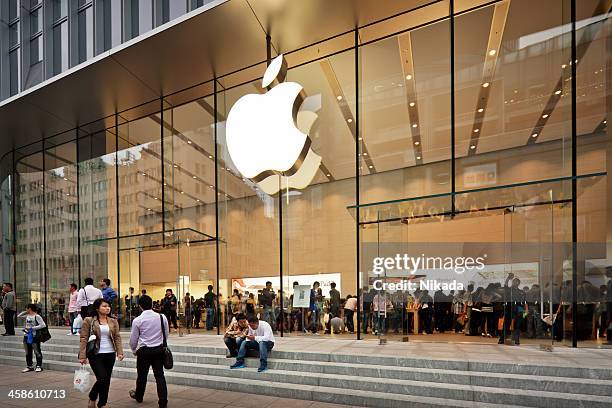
(472, 147)
(155, 198)
(176, 166)
(365, 154)
(418, 157)
(211, 186)
(558, 92)
(210, 156)
(414, 125)
(182, 192)
(485, 85)
(189, 141)
(476, 130)
(67, 194)
(480, 110)
(408, 77)
(349, 120)
(148, 209)
(544, 116)
(492, 52)
(165, 184)
(412, 104)
(417, 143)
(195, 177)
(339, 97)
(329, 175)
(370, 166)
(198, 200)
(361, 138)
(534, 135)
(65, 179)
(564, 66)
(605, 122)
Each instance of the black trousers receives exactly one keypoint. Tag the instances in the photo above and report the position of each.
(9, 321)
(350, 323)
(151, 357)
(30, 349)
(171, 316)
(102, 366)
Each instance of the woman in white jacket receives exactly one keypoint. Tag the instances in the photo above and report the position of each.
(31, 343)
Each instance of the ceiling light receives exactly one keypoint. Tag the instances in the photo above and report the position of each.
(408, 77)
(148, 209)
(476, 130)
(472, 147)
(485, 85)
(339, 97)
(414, 125)
(370, 166)
(198, 200)
(209, 156)
(195, 177)
(176, 166)
(189, 141)
(605, 122)
(534, 135)
(65, 179)
(349, 120)
(365, 154)
(492, 52)
(544, 116)
(564, 66)
(412, 104)
(418, 158)
(361, 138)
(67, 194)
(480, 110)
(165, 184)
(211, 186)
(328, 175)
(155, 198)
(182, 192)
(557, 92)
(417, 143)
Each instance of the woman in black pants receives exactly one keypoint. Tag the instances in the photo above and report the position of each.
(108, 348)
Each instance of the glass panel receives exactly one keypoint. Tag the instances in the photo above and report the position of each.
(13, 9)
(60, 48)
(30, 218)
(593, 36)
(145, 15)
(60, 9)
(36, 21)
(36, 50)
(6, 217)
(86, 36)
(13, 34)
(61, 225)
(14, 71)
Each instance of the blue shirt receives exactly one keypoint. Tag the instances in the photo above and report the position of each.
(109, 294)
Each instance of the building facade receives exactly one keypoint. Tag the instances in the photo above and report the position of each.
(469, 137)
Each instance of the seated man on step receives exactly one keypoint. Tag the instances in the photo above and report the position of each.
(235, 334)
(261, 338)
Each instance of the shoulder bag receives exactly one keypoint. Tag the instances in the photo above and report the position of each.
(42, 335)
(168, 359)
(92, 347)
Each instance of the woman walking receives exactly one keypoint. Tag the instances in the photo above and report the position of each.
(31, 342)
(107, 348)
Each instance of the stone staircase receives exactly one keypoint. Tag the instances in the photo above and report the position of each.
(361, 380)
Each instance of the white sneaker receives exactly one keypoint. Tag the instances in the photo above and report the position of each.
(68, 334)
(27, 370)
(38, 369)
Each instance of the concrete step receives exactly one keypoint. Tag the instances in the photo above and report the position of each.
(483, 379)
(544, 370)
(465, 392)
(281, 389)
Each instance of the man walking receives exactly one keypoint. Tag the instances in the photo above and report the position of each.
(10, 309)
(210, 305)
(146, 342)
(73, 310)
(260, 338)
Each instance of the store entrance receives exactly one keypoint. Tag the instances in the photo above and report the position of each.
(177, 266)
(487, 274)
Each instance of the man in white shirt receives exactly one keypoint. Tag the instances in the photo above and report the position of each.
(87, 296)
(260, 338)
(349, 311)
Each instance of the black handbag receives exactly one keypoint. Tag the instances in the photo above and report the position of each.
(168, 359)
(92, 347)
(43, 335)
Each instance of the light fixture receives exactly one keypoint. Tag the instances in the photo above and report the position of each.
(198, 200)
(155, 198)
(544, 116)
(418, 157)
(365, 154)
(176, 166)
(492, 52)
(558, 92)
(485, 85)
(417, 143)
(412, 104)
(165, 184)
(67, 194)
(195, 177)
(211, 186)
(605, 122)
(476, 130)
(328, 175)
(148, 209)
(360, 138)
(65, 179)
(408, 77)
(370, 166)
(414, 125)
(349, 120)
(182, 192)
(189, 142)
(339, 97)
(534, 135)
(480, 110)
(472, 147)
(563, 66)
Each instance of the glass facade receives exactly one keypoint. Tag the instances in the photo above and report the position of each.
(473, 141)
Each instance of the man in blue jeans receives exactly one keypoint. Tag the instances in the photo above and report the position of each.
(211, 306)
(260, 338)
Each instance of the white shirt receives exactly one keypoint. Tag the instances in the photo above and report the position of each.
(106, 344)
(147, 330)
(263, 332)
(351, 304)
(88, 295)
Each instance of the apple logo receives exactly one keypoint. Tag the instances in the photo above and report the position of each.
(264, 133)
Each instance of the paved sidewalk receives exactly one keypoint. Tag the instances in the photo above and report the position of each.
(181, 396)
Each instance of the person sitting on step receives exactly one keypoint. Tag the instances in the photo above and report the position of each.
(236, 333)
(260, 337)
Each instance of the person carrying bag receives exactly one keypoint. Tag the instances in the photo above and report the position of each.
(148, 341)
(101, 345)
